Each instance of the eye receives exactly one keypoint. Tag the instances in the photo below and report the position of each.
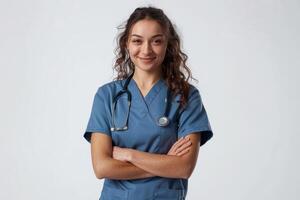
(157, 41)
(136, 41)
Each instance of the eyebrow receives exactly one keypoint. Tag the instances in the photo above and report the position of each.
(152, 36)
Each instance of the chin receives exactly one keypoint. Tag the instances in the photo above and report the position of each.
(147, 68)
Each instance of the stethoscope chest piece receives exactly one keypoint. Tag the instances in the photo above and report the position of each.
(163, 121)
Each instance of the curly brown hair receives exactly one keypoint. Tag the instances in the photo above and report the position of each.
(174, 63)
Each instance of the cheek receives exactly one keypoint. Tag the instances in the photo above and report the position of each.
(160, 49)
(161, 53)
(134, 51)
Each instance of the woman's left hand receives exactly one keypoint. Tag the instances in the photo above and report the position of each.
(122, 154)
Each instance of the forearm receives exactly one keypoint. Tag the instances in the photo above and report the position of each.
(115, 169)
(169, 166)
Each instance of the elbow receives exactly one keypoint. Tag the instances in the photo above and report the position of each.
(187, 175)
(100, 170)
(187, 172)
(99, 173)
(99, 176)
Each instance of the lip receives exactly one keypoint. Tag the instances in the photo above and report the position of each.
(147, 60)
(150, 58)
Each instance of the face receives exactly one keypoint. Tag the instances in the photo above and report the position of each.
(147, 45)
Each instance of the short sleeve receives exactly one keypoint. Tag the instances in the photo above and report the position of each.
(193, 118)
(98, 121)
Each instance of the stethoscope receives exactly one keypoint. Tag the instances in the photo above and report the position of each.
(162, 121)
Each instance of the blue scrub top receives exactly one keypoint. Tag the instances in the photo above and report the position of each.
(144, 134)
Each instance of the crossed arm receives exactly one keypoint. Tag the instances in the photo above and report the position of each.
(124, 163)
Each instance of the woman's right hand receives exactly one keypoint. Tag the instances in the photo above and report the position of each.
(181, 147)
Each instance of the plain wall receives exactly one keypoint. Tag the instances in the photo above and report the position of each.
(245, 54)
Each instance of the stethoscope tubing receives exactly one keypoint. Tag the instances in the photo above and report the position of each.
(162, 121)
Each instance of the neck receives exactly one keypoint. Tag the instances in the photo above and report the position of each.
(146, 79)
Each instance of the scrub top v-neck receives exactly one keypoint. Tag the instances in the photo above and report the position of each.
(145, 135)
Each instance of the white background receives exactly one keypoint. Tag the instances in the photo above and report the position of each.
(245, 54)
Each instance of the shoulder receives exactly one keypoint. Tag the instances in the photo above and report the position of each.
(192, 88)
(193, 92)
(110, 88)
(194, 97)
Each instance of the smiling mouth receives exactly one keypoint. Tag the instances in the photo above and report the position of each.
(147, 58)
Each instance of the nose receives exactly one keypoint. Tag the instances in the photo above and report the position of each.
(146, 48)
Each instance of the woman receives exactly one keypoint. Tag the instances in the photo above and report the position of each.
(145, 126)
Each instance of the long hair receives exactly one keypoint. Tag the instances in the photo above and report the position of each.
(174, 69)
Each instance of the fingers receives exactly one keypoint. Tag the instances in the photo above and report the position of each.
(180, 145)
(177, 144)
(184, 146)
(180, 142)
(184, 151)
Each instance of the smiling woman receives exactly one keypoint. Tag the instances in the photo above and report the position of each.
(147, 45)
(146, 127)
